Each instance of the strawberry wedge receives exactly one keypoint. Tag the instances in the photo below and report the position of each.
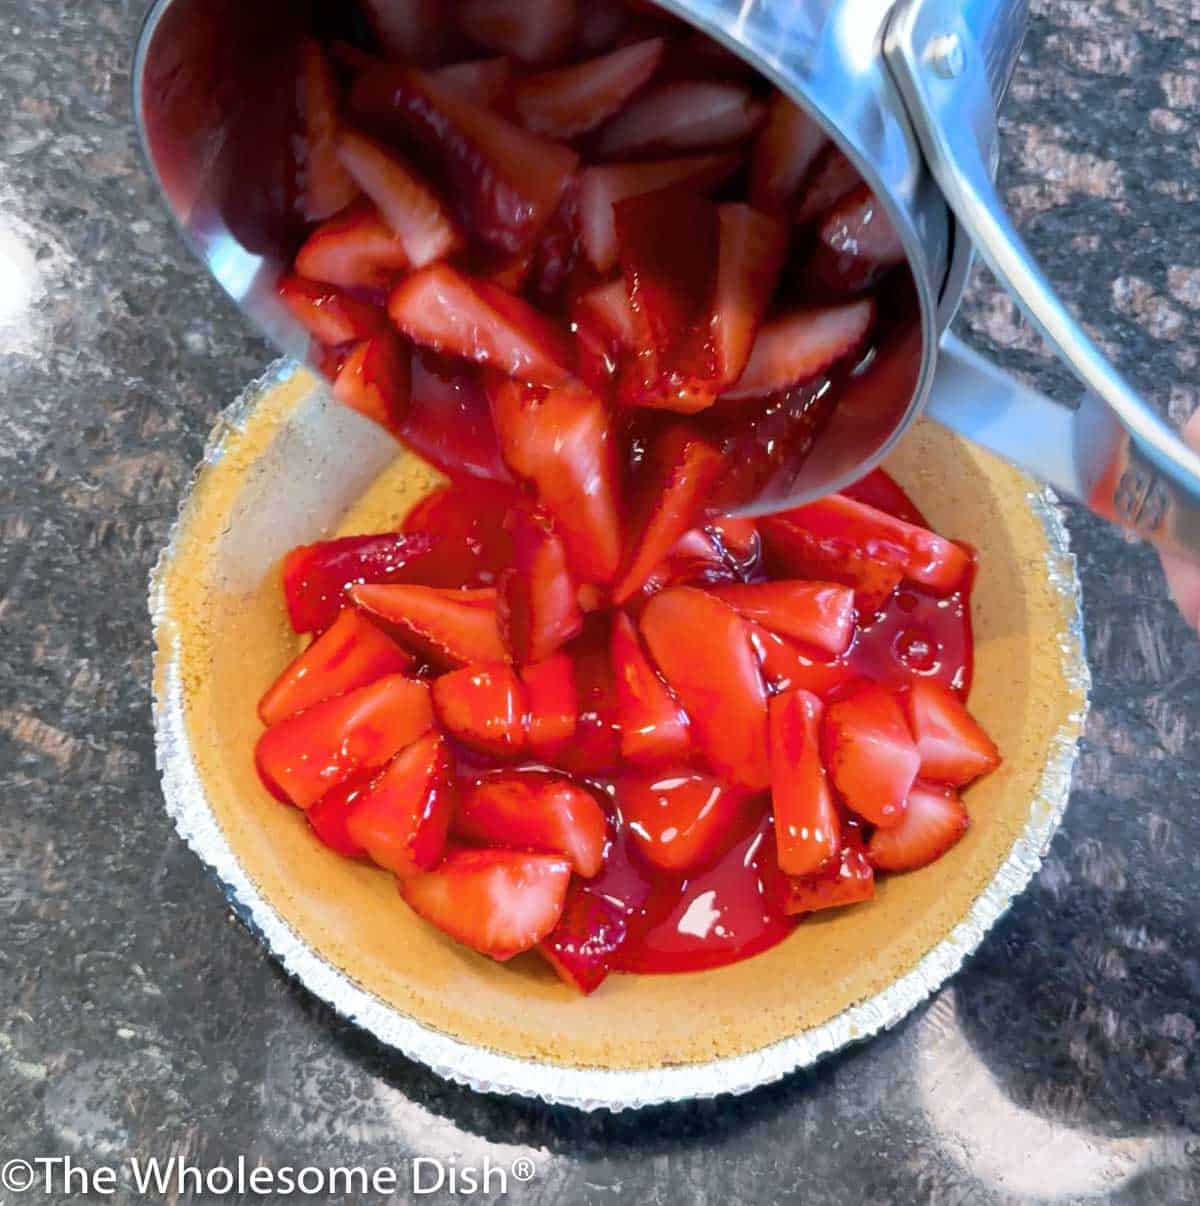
(483, 705)
(442, 309)
(831, 179)
(589, 932)
(407, 204)
(376, 380)
(483, 82)
(653, 726)
(954, 748)
(848, 879)
(601, 187)
(796, 347)
(918, 553)
(684, 116)
(327, 186)
(505, 181)
(808, 834)
(818, 613)
(330, 315)
(933, 821)
(498, 902)
(355, 249)
(532, 31)
(553, 703)
(572, 100)
(786, 148)
(680, 818)
(455, 627)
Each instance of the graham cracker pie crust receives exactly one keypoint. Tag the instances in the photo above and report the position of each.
(221, 609)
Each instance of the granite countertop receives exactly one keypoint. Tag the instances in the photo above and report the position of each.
(138, 1018)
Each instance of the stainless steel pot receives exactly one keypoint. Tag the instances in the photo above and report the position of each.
(909, 90)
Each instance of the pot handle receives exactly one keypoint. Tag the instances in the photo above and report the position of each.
(1113, 453)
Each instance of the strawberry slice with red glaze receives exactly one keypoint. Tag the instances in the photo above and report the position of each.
(317, 576)
(538, 607)
(441, 309)
(871, 756)
(483, 706)
(685, 116)
(919, 554)
(326, 187)
(784, 152)
(857, 244)
(536, 811)
(680, 819)
(454, 627)
(506, 182)
(596, 746)
(832, 177)
(330, 315)
(376, 380)
(954, 748)
(328, 816)
(818, 613)
(934, 821)
(402, 818)
(608, 310)
(354, 249)
(532, 31)
(653, 726)
(848, 879)
(603, 186)
(589, 932)
(483, 82)
(407, 204)
(553, 704)
(701, 646)
(416, 31)
(682, 466)
(786, 667)
(351, 653)
(465, 522)
(696, 558)
(795, 347)
(306, 755)
(498, 902)
(571, 100)
(808, 834)
(563, 441)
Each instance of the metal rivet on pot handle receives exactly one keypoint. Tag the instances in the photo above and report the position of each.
(1114, 452)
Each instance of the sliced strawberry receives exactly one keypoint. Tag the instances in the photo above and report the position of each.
(355, 249)
(684, 116)
(796, 347)
(602, 187)
(830, 180)
(607, 307)
(572, 100)
(508, 272)
(750, 260)
(349, 654)
(791, 549)
(857, 243)
(309, 753)
(533, 31)
(785, 150)
(879, 490)
(563, 441)
(465, 521)
(871, 755)
(536, 811)
(325, 185)
(408, 205)
(680, 819)
(701, 646)
(376, 380)
(589, 932)
(317, 576)
(499, 902)
(653, 726)
(918, 553)
(402, 818)
(538, 607)
(449, 625)
(694, 559)
(416, 31)
(681, 467)
(808, 834)
(329, 315)
(444, 310)
(505, 181)
(818, 613)
(786, 667)
(848, 879)
(933, 821)
(328, 816)
(953, 747)
(553, 704)
(596, 746)
(483, 82)
(483, 706)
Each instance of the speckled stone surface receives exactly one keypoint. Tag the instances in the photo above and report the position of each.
(137, 1018)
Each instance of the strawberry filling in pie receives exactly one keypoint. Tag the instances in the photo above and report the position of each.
(612, 284)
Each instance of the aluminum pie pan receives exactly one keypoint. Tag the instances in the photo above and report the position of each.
(593, 1088)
